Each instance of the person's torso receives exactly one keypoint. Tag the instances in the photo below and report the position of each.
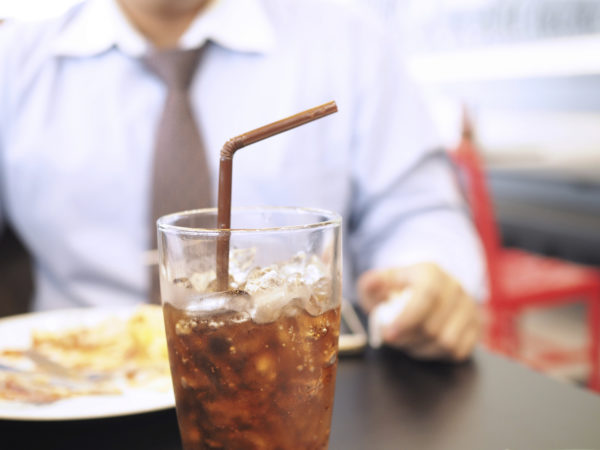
(77, 153)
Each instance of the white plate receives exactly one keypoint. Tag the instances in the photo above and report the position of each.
(15, 332)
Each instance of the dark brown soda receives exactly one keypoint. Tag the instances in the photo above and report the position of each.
(243, 385)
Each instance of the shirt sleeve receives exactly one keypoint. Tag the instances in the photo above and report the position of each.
(407, 206)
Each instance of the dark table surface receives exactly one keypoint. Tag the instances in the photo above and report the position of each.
(386, 401)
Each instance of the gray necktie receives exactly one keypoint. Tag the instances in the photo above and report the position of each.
(181, 178)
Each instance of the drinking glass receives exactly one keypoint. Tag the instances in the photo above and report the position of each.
(254, 365)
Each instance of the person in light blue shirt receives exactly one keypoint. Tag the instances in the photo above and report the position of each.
(78, 112)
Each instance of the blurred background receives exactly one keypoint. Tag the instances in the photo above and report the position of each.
(528, 72)
(529, 75)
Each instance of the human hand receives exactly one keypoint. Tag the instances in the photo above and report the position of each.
(439, 321)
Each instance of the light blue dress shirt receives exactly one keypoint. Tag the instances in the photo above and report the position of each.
(78, 112)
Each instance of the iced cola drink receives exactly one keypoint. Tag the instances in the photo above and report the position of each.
(253, 366)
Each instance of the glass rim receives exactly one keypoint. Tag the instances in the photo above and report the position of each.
(165, 223)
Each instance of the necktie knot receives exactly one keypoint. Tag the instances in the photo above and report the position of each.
(175, 68)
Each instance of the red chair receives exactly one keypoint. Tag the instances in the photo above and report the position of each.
(519, 279)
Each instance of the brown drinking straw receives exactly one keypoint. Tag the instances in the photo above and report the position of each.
(225, 176)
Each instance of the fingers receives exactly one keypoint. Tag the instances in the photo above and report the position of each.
(468, 342)
(375, 286)
(447, 306)
(427, 351)
(405, 327)
(438, 350)
(429, 291)
(450, 335)
(371, 290)
(440, 321)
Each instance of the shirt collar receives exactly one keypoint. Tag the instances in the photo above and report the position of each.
(240, 25)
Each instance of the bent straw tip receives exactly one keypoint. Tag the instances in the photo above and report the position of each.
(250, 137)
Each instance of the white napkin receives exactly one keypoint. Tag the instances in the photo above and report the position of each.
(384, 314)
